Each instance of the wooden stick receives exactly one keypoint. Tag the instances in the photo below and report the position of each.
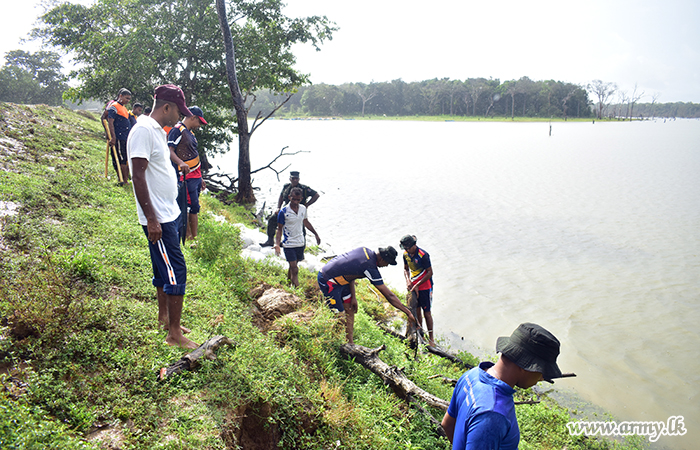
(104, 123)
(119, 166)
(191, 360)
(114, 151)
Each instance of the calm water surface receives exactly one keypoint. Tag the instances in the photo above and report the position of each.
(592, 233)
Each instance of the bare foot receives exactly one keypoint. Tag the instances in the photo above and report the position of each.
(182, 342)
(183, 329)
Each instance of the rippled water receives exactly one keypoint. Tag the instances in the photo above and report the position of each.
(591, 232)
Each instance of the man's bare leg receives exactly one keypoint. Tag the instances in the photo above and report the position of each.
(419, 316)
(293, 273)
(163, 316)
(429, 324)
(192, 224)
(349, 324)
(175, 335)
(162, 308)
(125, 172)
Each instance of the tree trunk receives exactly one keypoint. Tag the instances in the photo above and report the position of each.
(391, 375)
(245, 188)
(245, 185)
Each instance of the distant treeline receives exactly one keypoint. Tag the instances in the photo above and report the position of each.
(472, 97)
(651, 110)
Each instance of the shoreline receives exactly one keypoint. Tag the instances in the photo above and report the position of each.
(567, 398)
(89, 352)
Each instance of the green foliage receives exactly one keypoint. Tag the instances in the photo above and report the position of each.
(140, 44)
(32, 78)
(25, 427)
(222, 241)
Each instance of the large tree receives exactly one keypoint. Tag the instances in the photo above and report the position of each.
(603, 91)
(139, 44)
(366, 93)
(32, 78)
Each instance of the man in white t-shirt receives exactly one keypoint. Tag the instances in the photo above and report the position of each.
(155, 187)
(291, 221)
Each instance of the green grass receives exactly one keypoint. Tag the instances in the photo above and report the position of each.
(80, 349)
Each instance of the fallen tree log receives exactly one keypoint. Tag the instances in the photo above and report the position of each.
(450, 381)
(191, 360)
(391, 332)
(443, 354)
(391, 375)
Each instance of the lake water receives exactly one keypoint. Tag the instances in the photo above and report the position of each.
(591, 232)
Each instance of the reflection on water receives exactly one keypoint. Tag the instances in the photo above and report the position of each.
(592, 232)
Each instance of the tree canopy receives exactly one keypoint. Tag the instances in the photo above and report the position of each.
(32, 78)
(471, 97)
(139, 44)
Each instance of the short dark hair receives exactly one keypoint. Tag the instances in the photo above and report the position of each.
(159, 103)
(137, 105)
(123, 91)
(296, 190)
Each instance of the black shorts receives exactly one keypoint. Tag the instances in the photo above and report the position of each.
(294, 254)
(425, 299)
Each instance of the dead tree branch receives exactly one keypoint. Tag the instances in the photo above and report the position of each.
(391, 375)
(274, 110)
(391, 332)
(445, 380)
(216, 181)
(452, 358)
(216, 184)
(282, 153)
(191, 360)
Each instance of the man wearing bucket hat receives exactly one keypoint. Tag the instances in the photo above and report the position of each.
(155, 189)
(481, 414)
(337, 282)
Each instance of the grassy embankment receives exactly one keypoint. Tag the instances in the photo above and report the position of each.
(79, 346)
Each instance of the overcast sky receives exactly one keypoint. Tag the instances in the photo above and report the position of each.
(654, 43)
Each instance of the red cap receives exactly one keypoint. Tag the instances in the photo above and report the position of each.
(172, 93)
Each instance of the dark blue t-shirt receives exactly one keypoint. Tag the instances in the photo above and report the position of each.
(122, 124)
(358, 263)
